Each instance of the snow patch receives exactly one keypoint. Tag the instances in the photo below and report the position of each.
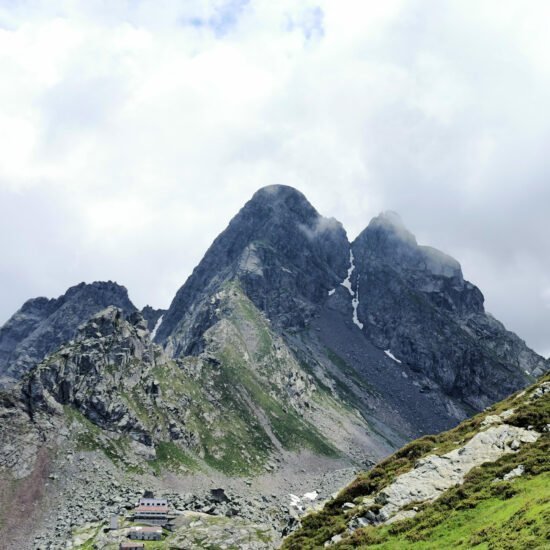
(347, 281)
(286, 270)
(298, 502)
(391, 355)
(354, 295)
(331, 292)
(157, 325)
(355, 305)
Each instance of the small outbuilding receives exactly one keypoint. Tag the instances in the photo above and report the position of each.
(141, 532)
(131, 546)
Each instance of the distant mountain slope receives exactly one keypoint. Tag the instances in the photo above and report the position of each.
(484, 484)
(414, 301)
(42, 325)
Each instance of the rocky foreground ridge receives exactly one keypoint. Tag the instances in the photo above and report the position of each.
(485, 483)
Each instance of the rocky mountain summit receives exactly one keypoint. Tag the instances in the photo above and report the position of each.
(284, 255)
(415, 301)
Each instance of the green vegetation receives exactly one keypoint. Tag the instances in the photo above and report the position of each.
(155, 545)
(256, 380)
(90, 437)
(170, 457)
(243, 376)
(480, 513)
(290, 430)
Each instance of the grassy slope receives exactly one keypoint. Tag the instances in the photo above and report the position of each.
(246, 376)
(479, 513)
(219, 399)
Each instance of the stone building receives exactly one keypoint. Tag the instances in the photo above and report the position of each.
(152, 511)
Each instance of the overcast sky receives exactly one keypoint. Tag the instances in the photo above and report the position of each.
(132, 131)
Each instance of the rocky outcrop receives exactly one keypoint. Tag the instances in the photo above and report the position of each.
(108, 375)
(105, 380)
(42, 325)
(88, 372)
(153, 317)
(435, 474)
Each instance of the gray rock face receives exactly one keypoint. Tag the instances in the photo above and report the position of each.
(415, 302)
(152, 316)
(283, 253)
(435, 474)
(42, 325)
(109, 360)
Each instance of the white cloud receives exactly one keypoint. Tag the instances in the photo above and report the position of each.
(133, 131)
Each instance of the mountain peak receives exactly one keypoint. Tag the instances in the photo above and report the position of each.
(282, 203)
(386, 238)
(277, 192)
(98, 286)
(285, 255)
(389, 225)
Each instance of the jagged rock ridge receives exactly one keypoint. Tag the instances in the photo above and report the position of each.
(42, 324)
